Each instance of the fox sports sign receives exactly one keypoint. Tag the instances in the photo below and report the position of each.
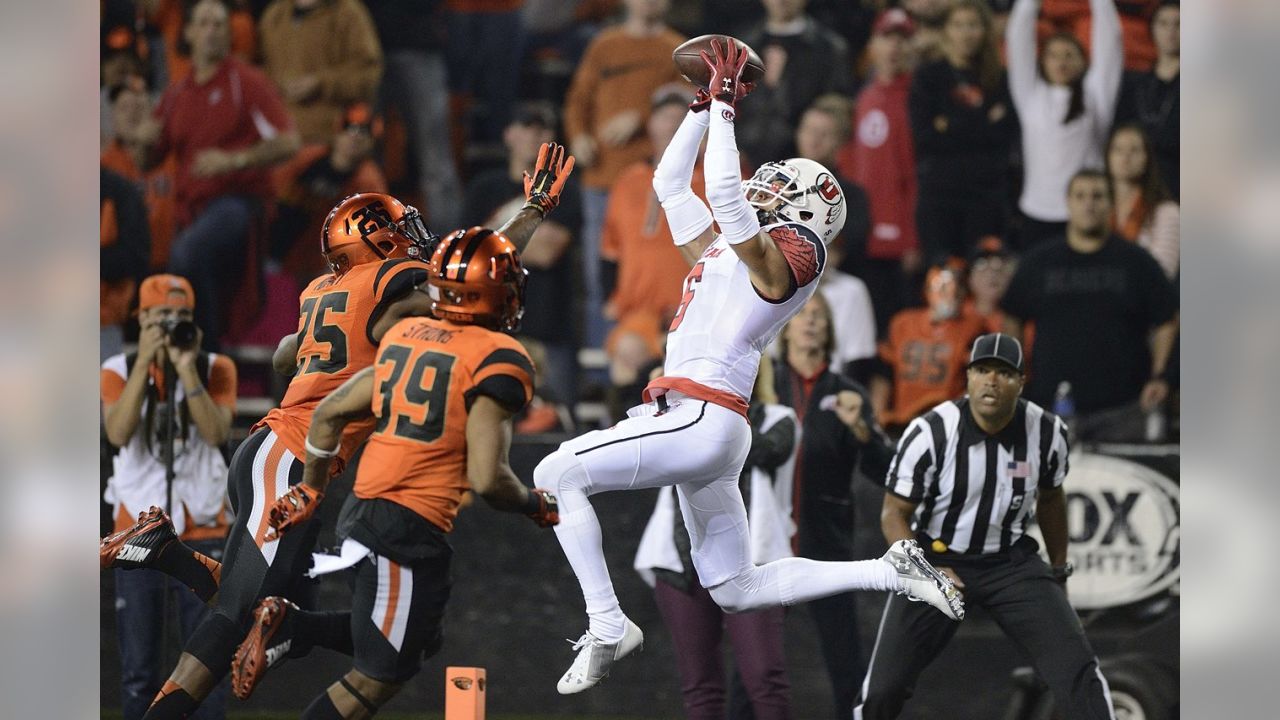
(1122, 521)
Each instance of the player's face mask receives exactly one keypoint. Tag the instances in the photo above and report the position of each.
(423, 240)
(775, 192)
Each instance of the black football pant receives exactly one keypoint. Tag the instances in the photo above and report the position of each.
(252, 569)
(1018, 591)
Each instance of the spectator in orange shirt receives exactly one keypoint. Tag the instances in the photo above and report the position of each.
(926, 351)
(604, 118)
(324, 55)
(314, 180)
(637, 242)
(126, 155)
(991, 267)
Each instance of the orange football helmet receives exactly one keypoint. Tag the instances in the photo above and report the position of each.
(476, 278)
(369, 227)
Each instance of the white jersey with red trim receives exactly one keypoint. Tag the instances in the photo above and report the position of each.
(723, 324)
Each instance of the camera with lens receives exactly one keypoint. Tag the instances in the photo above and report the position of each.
(181, 333)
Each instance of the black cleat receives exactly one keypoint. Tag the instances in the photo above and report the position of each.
(140, 545)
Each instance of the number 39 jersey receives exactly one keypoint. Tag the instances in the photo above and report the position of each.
(427, 375)
(723, 325)
(335, 341)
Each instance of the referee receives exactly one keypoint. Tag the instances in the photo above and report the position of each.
(963, 484)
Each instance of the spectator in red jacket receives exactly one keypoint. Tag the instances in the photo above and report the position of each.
(226, 124)
(881, 159)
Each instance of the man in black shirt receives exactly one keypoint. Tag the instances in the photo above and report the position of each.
(802, 60)
(493, 196)
(1105, 318)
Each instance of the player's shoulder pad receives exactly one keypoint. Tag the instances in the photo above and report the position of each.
(804, 251)
(502, 371)
(395, 278)
(320, 283)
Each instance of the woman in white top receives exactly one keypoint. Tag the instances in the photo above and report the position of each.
(1065, 103)
(1144, 212)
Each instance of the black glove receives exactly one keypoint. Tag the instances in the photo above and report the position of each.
(543, 507)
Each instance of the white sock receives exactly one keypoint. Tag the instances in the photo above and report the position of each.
(579, 536)
(811, 579)
(797, 580)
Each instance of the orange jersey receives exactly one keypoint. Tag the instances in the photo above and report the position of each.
(928, 359)
(335, 341)
(427, 374)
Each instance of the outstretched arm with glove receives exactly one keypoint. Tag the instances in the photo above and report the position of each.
(736, 217)
(542, 194)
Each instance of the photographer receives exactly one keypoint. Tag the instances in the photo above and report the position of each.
(135, 394)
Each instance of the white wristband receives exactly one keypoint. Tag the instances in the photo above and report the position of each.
(325, 454)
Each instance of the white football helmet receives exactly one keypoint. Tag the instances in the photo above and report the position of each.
(798, 190)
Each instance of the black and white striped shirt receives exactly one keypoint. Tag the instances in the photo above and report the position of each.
(976, 491)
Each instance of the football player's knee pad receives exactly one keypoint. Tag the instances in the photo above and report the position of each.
(751, 589)
(559, 472)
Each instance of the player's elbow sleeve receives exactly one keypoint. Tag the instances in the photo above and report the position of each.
(737, 220)
(687, 217)
(667, 186)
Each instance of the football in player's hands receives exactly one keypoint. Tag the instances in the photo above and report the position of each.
(688, 59)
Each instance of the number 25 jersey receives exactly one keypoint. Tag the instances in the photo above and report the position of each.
(427, 375)
(335, 341)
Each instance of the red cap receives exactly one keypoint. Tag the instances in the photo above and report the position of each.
(894, 20)
(160, 289)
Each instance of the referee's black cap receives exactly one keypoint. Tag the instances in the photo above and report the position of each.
(997, 346)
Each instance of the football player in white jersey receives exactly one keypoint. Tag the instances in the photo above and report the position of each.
(692, 431)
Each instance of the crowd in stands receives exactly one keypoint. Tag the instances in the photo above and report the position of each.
(229, 128)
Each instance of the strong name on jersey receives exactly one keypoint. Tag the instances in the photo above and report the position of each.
(427, 375)
(723, 324)
(335, 341)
